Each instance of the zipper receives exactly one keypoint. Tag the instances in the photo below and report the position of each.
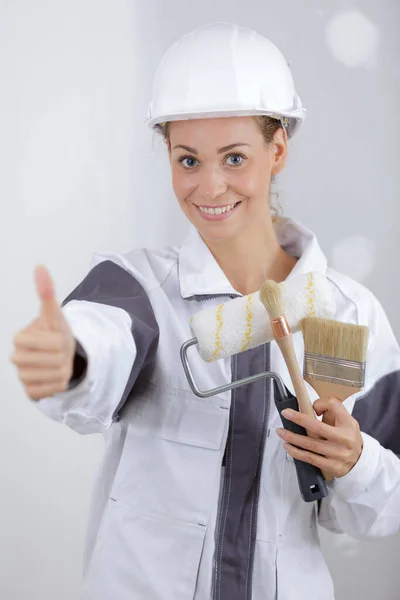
(268, 382)
(217, 558)
(223, 495)
(203, 298)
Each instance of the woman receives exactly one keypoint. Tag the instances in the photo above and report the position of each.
(198, 498)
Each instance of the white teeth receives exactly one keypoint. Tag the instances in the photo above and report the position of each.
(216, 211)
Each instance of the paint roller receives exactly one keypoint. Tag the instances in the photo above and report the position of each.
(244, 323)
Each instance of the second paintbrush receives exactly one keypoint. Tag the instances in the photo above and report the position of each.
(335, 357)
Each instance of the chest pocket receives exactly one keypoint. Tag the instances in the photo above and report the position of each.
(172, 452)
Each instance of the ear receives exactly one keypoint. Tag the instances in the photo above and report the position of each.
(279, 151)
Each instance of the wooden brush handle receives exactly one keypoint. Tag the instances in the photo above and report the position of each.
(287, 348)
(300, 390)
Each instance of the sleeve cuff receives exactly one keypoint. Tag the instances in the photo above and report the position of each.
(357, 480)
(80, 367)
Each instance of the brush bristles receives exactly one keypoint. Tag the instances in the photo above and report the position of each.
(335, 339)
(271, 297)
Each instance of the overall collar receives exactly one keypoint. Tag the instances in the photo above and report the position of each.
(200, 275)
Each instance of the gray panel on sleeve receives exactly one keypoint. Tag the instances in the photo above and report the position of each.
(378, 412)
(108, 283)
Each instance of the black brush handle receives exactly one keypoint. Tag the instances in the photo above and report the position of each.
(311, 481)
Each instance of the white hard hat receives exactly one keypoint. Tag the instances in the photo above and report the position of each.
(222, 70)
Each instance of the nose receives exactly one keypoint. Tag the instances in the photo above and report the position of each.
(212, 183)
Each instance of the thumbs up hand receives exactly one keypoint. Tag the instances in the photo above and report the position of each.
(44, 350)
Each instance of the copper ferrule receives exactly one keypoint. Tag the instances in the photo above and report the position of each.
(280, 328)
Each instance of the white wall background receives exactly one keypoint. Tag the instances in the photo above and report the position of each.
(79, 174)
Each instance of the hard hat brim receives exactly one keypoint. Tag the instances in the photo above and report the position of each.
(296, 117)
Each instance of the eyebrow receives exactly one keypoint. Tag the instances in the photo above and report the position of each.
(220, 151)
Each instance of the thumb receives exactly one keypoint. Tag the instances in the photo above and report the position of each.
(332, 409)
(50, 310)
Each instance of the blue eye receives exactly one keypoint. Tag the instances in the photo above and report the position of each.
(189, 160)
(239, 158)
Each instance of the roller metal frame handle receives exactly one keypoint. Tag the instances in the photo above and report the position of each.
(310, 479)
(229, 386)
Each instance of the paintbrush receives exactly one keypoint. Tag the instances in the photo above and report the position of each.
(271, 298)
(335, 357)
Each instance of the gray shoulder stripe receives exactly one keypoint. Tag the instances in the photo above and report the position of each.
(378, 412)
(108, 283)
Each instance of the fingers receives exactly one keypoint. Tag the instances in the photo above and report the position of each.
(312, 425)
(35, 376)
(317, 446)
(50, 311)
(341, 444)
(44, 350)
(333, 405)
(44, 360)
(42, 374)
(39, 340)
(30, 359)
(45, 390)
(334, 467)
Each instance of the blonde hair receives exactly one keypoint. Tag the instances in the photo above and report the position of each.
(268, 126)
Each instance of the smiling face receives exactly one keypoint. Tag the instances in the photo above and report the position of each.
(221, 173)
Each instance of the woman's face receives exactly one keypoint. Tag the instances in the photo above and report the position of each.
(221, 173)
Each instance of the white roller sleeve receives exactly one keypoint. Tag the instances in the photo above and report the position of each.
(243, 323)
